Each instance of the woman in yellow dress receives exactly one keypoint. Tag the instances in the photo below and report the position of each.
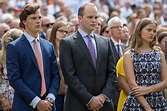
(122, 84)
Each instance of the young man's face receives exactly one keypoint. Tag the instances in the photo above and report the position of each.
(89, 19)
(33, 23)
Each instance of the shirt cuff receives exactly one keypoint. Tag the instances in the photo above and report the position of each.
(107, 99)
(35, 101)
(89, 101)
(50, 95)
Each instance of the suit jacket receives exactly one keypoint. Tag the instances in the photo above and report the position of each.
(115, 95)
(83, 79)
(114, 50)
(24, 75)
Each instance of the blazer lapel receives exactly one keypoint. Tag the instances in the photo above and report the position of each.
(99, 51)
(116, 56)
(29, 49)
(81, 43)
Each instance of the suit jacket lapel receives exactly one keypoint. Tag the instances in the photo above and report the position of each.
(116, 56)
(99, 51)
(81, 43)
(29, 49)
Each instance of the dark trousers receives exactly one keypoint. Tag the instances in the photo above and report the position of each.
(59, 102)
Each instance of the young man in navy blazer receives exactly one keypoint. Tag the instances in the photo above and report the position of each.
(23, 69)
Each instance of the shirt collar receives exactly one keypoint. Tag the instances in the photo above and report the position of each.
(115, 42)
(30, 38)
(84, 34)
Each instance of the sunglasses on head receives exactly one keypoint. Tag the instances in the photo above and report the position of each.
(48, 25)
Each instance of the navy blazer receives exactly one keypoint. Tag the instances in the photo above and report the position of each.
(24, 75)
(83, 79)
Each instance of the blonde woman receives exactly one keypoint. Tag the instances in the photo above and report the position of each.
(6, 91)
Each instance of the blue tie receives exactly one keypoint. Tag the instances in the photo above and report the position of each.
(91, 50)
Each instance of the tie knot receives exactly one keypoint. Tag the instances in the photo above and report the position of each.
(35, 40)
(89, 36)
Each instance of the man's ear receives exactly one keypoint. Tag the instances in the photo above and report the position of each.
(24, 22)
(80, 19)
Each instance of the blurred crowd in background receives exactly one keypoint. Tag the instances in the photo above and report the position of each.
(130, 12)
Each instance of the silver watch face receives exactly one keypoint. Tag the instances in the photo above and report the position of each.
(50, 100)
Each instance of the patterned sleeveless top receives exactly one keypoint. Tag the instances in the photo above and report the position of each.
(147, 69)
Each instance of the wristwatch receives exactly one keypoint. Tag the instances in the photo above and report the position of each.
(50, 99)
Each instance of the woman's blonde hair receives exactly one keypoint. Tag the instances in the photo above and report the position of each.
(8, 37)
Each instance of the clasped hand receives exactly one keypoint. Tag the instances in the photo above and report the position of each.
(97, 102)
(140, 91)
(44, 105)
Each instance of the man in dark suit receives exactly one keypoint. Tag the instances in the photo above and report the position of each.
(116, 27)
(31, 66)
(116, 30)
(89, 74)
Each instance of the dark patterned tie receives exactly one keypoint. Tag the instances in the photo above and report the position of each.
(91, 50)
(118, 50)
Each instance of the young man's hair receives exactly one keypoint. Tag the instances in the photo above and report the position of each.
(81, 9)
(27, 10)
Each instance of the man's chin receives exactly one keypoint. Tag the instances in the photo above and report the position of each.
(38, 30)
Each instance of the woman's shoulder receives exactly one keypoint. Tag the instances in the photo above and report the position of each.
(128, 54)
(129, 51)
(157, 48)
(161, 53)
